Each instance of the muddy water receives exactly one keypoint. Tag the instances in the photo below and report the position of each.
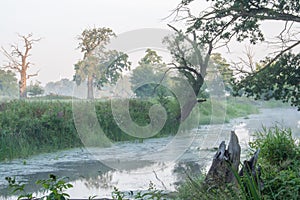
(131, 166)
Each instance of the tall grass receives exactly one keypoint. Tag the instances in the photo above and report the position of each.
(279, 160)
(32, 127)
(245, 188)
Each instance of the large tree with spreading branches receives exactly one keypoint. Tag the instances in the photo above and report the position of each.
(224, 21)
(99, 64)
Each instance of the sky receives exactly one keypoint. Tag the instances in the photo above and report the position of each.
(59, 23)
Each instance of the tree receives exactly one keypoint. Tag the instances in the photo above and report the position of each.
(35, 89)
(99, 65)
(147, 75)
(61, 87)
(18, 61)
(224, 20)
(221, 66)
(190, 59)
(280, 81)
(8, 84)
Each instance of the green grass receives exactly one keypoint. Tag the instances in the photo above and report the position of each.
(35, 126)
(218, 112)
(32, 127)
(274, 104)
(280, 161)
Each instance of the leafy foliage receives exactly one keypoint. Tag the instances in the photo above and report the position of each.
(18, 187)
(225, 20)
(279, 161)
(280, 81)
(31, 127)
(223, 68)
(99, 64)
(280, 155)
(148, 75)
(56, 187)
(188, 58)
(34, 89)
(195, 188)
(8, 84)
(61, 87)
(152, 194)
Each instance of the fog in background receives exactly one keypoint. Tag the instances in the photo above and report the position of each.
(58, 23)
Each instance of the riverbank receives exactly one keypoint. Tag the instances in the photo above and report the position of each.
(33, 127)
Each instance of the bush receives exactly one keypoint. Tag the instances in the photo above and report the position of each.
(276, 145)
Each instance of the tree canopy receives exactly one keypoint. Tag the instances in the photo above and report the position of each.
(99, 64)
(148, 75)
(8, 84)
(241, 20)
(35, 89)
(223, 67)
(280, 81)
(62, 87)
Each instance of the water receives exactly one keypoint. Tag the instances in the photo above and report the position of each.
(131, 166)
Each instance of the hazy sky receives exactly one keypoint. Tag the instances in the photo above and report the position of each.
(58, 23)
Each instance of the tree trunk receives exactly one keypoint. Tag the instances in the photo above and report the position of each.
(226, 163)
(90, 92)
(22, 85)
(191, 99)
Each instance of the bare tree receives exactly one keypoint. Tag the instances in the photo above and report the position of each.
(18, 60)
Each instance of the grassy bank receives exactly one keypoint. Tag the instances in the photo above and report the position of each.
(216, 112)
(32, 127)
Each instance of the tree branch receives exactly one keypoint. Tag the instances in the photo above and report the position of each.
(32, 75)
(277, 56)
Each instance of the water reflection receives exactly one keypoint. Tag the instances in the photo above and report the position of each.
(101, 181)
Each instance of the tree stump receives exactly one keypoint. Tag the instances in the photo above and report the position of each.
(226, 163)
(220, 171)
